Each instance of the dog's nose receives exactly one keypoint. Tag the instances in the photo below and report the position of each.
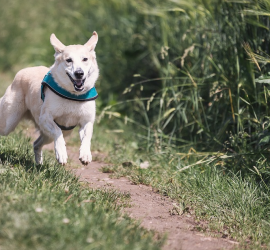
(79, 73)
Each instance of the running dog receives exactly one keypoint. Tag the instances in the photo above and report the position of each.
(56, 99)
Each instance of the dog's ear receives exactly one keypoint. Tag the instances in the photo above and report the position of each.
(92, 42)
(58, 46)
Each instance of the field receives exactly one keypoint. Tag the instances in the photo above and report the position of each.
(184, 89)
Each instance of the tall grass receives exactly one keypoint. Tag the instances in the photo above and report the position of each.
(178, 71)
(194, 83)
(205, 82)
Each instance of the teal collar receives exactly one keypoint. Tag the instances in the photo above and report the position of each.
(49, 81)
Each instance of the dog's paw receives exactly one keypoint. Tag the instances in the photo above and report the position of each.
(61, 152)
(61, 156)
(85, 157)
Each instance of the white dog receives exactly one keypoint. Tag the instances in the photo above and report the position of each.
(56, 99)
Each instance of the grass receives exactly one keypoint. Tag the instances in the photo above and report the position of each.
(188, 88)
(225, 202)
(46, 207)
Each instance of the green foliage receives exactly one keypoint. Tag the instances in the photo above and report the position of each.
(26, 29)
(182, 67)
(46, 207)
(194, 81)
(189, 76)
(206, 80)
(231, 199)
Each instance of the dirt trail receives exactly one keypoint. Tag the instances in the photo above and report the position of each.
(152, 209)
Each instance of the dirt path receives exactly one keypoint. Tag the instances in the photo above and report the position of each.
(152, 209)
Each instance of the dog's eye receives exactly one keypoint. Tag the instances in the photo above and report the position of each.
(69, 60)
(85, 59)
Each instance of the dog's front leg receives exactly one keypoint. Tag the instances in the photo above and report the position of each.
(49, 127)
(86, 132)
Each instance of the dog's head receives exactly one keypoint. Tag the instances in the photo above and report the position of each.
(75, 68)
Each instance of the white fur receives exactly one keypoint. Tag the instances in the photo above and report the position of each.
(22, 99)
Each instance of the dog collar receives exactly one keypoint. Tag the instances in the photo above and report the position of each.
(49, 81)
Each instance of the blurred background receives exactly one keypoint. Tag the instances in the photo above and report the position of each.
(181, 73)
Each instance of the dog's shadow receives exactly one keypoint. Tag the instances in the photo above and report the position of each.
(22, 155)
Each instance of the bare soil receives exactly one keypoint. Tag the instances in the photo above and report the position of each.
(152, 209)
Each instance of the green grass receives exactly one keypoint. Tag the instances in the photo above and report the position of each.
(46, 207)
(229, 203)
(180, 73)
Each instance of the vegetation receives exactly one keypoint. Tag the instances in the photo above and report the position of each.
(182, 67)
(47, 207)
(227, 203)
(194, 94)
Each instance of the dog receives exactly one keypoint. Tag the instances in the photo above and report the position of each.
(56, 99)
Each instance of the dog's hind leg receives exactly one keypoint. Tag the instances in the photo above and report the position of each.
(38, 144)
(12, 109)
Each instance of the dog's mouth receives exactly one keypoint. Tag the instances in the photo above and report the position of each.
(78, 83)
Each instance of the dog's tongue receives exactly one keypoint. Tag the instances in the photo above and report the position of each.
(79, 83)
